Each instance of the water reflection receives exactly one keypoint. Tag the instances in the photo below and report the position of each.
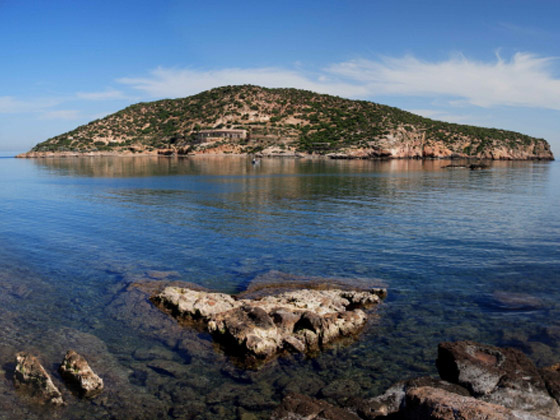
(138, 166)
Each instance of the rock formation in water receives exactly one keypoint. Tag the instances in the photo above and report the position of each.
(257, 329)
(31, 376)
(285, 122)
(77, 372)
(477, 382)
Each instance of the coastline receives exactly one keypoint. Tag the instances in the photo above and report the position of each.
(289, 155)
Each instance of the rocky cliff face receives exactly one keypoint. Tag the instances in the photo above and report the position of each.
(285, 122)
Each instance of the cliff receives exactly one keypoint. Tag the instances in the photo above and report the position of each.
(285, 122)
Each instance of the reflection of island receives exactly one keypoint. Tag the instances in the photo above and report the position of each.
(215, 165)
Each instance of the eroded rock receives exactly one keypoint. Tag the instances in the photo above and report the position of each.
(479, 382)
(77, 372)
(498, 375)
(438, 404)
(551, 376)
(295, 321)
(393, 400)
(30, 375)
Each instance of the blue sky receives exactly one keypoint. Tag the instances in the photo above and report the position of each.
(489, 63)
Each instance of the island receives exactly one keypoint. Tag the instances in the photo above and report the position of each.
(258, 121)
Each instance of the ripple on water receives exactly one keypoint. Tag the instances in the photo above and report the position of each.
(465, 255)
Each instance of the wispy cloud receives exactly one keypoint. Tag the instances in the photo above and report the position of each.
(101, 96)
(521, 30)
(524, 80)
(11, 105)
(173, 82)
(61, 114)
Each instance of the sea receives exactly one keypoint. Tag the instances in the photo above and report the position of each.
(464, 254)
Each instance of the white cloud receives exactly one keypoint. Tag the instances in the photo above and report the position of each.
(526, 80)
(101, 96)
(62, 114)
(173, 83)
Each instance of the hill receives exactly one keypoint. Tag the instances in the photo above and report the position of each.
(285, 122)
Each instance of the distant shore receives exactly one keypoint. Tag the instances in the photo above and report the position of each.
(290, 155)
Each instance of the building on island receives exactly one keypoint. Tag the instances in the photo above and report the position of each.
(204, 135)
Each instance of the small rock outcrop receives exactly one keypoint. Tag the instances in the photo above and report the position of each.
(30, 375)
(478, 382)
(501, 376)
(439, 404)
(76, 371)
(295, 321)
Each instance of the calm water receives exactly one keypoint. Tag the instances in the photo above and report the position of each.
(464, 255)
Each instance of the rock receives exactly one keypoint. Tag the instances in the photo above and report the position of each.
(302, 320)
(297, 406)
(501, 376)
(551, 376)
(31, 375)
(517, 301)
(475, 166)
(438, 404)
(190, 304)
(393, 400)
(341, 390)
(77, 372)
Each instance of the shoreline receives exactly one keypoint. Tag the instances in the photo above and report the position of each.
(337, 156)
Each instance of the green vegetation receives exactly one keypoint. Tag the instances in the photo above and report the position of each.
(295, 119)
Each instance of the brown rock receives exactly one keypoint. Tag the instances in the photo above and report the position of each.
(429, 403)
(393, 400)
(502, 376)
(76, 371)
(551, 376)
(30, 375)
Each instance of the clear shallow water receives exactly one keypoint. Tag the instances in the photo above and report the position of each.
(464, 254)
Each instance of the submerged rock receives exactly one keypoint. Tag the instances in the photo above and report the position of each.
(30, 375)
(295, 321)
(76, 371)
(297, 406)
(517, 301)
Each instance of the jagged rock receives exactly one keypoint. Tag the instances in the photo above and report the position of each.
(480, 382)
(427, 403)
(29, 374)
(302, 407)
(298, 320)
(393, 400)
(501, 376)
(76, 370)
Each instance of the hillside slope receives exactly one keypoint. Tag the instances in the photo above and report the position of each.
(285, 122)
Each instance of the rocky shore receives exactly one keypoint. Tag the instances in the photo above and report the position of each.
(401, 152)
(258, 329)
(477, 382)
